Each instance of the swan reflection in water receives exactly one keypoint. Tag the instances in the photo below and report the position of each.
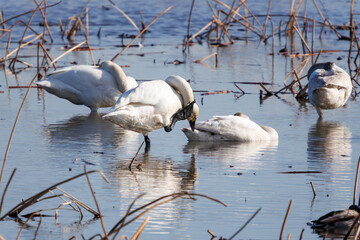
(327, 142)
(160, 176)
(245, 155)
(89, 133)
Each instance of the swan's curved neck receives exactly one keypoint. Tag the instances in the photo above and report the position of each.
(183, 87)
(119, 75)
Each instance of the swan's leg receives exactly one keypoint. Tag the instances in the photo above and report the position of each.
(147, 143)
(319, 112)
(134, 158)
(93, 109)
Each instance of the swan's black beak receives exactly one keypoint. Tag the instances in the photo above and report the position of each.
(192, 125)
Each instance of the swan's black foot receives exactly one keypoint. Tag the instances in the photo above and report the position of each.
(147, 143)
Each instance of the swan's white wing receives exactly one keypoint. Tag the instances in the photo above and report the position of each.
(155, 93)
(232, 128)
(83, 84)
(146, 107)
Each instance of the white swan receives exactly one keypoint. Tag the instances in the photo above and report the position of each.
(92, 86)
(329, 86)
(236, 127)
(153, 105)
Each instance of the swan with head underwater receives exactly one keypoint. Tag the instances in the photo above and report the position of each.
(92, 86)
(329, 86)
(153, 105)
(236, 128)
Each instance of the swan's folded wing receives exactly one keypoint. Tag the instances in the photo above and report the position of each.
(147, 93)
(228, 125)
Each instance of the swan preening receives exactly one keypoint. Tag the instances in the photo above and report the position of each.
(153, 105)
(236, 127)
(92, 86)
(329, 86)
(342, 219)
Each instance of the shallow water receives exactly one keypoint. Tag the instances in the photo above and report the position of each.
(54, 139)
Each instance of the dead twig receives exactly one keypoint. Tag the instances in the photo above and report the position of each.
(286, 216)
(117, 55)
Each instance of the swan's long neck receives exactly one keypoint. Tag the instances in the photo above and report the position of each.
(123, 82)
(183, 87)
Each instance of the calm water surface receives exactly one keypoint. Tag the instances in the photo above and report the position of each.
(54, 139)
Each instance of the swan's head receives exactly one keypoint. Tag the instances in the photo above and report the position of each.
(193, 116)
(240, 114)
(328, 67)
(189, 112)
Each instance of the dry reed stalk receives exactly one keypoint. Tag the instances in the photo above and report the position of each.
(96, 203)
(357, 233)
(328, 24)
(301, 234)
(2, 18)
(313, 189)
(7, 45)
(13, 130)
(351, 31)
(268, 92)
(253, 15)
(5, 190)
(38, 226)
(204, 58)
(68, 51)
(117, 55)
(74, 28)
(356, 181)
(273, 39)
(125, 15)
(127, 213)
(189, 20)
(245, 25)
(200, 31)
(352, 227)
(233, 15)
(43, 13)
(154, 204)
(211, 233)
(303, 64)
(301, 36)
(58, 208)
(20, 46)
(64, 200)
(78, 202)
(253, 28)
(141, 228)
(266, 19)
(24, 224)
(242, 91)
(47, 54)
(11, 87)
(217, 92)
(12, 64)
(286, 216)
(22, 14)
(134, 158)
(15, 211)
(247, 222)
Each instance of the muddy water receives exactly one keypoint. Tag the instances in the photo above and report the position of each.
(54, 139)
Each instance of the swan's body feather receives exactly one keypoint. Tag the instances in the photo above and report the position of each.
(329, 86)
(230, 128)
(147, 107)
(86, 85)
